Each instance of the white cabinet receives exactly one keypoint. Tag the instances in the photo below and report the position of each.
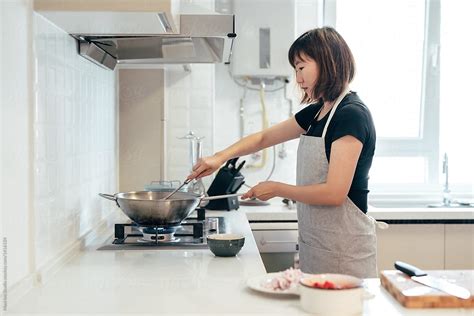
(271, 241)
(459, 246)
(421, 245)
(428, 246)
(277, 243)
(112, 17)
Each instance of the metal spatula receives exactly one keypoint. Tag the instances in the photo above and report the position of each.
(177, 189)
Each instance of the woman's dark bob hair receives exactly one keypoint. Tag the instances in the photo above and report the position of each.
(333, 57)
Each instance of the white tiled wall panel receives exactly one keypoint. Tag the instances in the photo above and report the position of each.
(189, 106)
(74, 141)
(228, 110)
(228, 129)
(14, 140)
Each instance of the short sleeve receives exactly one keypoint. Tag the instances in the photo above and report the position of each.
(353, 120)
(306, 115)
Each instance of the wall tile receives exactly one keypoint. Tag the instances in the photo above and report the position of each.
(190, 105)
(74, 141)
(178, 98)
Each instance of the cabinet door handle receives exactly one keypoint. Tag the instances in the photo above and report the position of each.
(263, 242)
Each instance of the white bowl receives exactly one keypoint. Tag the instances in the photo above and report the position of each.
(346, 300)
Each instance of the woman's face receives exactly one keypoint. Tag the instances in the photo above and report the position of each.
(307, 73)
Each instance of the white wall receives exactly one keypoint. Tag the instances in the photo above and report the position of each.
(227, 126)
(58, 138)
(74, 139)
(207, 101)
(189, 106)
(15, 199)
(227, 112)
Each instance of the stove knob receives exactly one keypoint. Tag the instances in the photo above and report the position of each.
(212, 224)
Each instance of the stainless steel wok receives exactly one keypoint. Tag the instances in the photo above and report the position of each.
(147, 208)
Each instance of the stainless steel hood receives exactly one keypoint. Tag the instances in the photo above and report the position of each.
(202, 39)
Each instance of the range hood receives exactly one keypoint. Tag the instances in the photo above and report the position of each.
(141, 32)
(201, 39)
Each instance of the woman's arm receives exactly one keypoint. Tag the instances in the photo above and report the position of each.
(345, 153)
(284, 131)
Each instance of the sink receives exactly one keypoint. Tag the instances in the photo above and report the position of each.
(419, 204)
(452, 205)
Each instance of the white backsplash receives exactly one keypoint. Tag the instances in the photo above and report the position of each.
(189, 106)
(15, 140)
(74, 141)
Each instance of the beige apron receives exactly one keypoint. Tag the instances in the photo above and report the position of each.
(332, 239)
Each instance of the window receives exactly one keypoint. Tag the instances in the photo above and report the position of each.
(408, 82)
(456, 101)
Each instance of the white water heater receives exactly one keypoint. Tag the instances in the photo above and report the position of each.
(265, 30)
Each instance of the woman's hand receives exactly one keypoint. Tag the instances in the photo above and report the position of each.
(206, 166)
(264, 191)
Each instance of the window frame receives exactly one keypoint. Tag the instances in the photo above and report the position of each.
(427, 144)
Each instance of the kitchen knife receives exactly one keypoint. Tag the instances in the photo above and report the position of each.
(239, 167)
(422, 277)
(231, 163)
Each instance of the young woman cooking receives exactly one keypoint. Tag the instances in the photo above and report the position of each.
(336, 146)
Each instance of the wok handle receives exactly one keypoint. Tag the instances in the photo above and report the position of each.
(108, 196)
(218, 197)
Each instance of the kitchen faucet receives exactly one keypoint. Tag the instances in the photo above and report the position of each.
(446, 191)
(447, 200)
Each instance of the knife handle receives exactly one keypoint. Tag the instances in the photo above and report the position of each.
(239, 167)
(231, 163)
(409, 269)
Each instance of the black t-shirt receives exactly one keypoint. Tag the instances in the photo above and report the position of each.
(353, 118)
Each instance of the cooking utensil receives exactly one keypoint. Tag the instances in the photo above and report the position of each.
(422, 277)
(148, 208)
(177, 189)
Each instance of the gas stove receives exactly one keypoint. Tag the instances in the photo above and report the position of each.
(191, 233)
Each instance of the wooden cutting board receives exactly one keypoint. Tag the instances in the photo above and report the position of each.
(412, 294)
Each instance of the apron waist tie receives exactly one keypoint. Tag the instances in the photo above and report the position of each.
(379, 224)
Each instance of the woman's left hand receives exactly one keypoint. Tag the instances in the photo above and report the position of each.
(263, 191)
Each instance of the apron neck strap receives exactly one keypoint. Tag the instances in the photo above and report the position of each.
(333, 110)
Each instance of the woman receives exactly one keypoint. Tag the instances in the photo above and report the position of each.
(337, 143)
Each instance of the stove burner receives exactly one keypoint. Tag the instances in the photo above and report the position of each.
(158, 230)
(192, 232)
(158, 234)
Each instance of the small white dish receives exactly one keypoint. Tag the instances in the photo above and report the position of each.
(258, 284)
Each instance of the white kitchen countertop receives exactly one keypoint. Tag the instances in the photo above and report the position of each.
(278, 211)
(176, 282)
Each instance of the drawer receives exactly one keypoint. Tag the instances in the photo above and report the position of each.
(271, 241)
